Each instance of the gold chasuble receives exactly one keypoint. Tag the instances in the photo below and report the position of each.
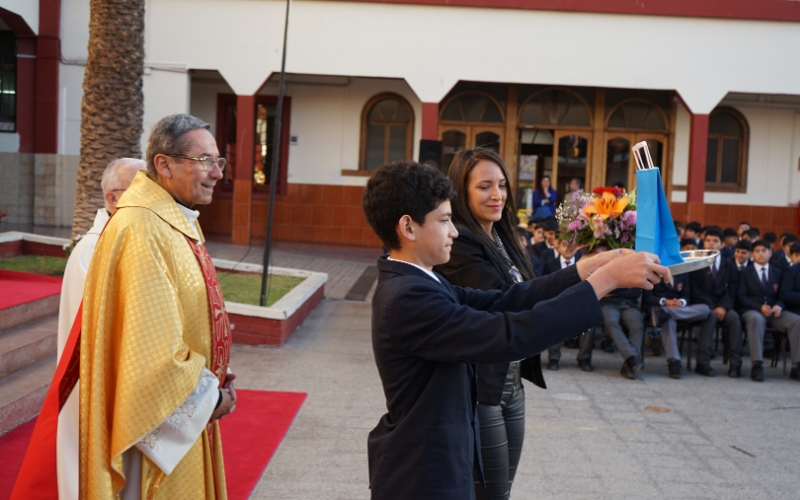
(146, 336)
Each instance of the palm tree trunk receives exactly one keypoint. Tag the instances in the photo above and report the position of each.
(112, 107)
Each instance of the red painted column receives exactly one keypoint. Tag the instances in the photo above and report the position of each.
(430, 120)
(26, 93)
(243, 170)
(48, 56)
(698, 149)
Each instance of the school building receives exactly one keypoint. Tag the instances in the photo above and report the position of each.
(558, 88)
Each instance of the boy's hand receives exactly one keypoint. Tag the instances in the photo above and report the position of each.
(588, 265)
(631, 270)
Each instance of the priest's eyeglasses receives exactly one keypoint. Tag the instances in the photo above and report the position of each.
(206, 162)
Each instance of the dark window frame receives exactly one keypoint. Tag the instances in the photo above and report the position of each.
(365, 123)
(225, 189)
(8, 80)
(740, 186)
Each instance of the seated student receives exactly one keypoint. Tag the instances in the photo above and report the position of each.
(669, 302)
(688, 244)
(760, 305)
(743, 226)
(524, 242)
(742, 256)
(693, 231)
(680, 227)
(546, 249)
(621, 307)
(782, 258)
(427, 334)
(729, 244)
(567, 257)
(751, 235)
(790, 293)
(716, 286)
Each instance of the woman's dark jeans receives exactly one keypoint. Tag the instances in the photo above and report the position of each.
(502, 434)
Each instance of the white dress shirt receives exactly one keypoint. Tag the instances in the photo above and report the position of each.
(429, 273)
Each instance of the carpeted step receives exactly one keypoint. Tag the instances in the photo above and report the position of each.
(28, 344)
(12, 317)
(22, 393)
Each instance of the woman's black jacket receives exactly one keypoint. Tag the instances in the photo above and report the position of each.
(473, 265)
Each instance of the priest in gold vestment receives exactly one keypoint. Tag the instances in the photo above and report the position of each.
(155, 338)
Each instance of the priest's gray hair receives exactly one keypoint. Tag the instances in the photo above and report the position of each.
(167, 137)
(110, 181)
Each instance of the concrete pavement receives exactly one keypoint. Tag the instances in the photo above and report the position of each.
(588, 435)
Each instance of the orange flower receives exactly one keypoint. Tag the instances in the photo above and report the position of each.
(607, 206)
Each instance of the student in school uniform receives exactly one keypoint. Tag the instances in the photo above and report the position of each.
(790, 293)
(716, 287)
(760, 305)
(546, 249)
(427, 335)
(568, 257)
(742, 256)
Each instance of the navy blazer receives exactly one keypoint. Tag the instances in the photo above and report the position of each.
(790, 289)
(715, 292)
(426, 337)
(541, 251)
(778, 260)
(622, 297)
(535, 261)
(752, 295)
(473, 265)
(678, 290)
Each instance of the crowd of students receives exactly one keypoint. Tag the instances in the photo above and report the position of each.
(750, 291)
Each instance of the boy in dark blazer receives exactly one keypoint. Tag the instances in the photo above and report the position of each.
(427, 334)
(716, 287)
(760, 305)
(568, 257)
(669, 301)
(790, 292)
(546, 249)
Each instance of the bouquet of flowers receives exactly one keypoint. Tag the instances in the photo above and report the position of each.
(606, 216)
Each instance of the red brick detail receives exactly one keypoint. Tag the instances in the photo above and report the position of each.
(33, 248)
(312, 213)
(430, 120)
(775, 219)
(263, 331)
(698, 150)
(10, 249)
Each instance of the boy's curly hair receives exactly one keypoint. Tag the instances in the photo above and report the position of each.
(402, 188)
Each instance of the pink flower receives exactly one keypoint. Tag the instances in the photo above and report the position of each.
(629, 217)
(600, 227)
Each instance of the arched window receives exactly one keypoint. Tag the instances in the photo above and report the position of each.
(387, 131)
(473, 107)
(637, 114)
(555, 107)
(726, 160)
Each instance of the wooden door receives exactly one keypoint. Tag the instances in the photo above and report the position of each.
(572, 153)
(620, 165)
(457, 137)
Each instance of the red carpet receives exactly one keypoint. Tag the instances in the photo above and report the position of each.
(18, 288)
(249, 439)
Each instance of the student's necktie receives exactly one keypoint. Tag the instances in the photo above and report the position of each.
(714, 269)
(764, 277)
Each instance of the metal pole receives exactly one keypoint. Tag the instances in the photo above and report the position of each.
(276, 153)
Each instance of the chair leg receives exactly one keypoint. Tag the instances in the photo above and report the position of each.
(784, 341)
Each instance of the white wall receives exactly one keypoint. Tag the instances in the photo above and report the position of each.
(26, 9)
(326, 119)
(680, 160)
(702, 59)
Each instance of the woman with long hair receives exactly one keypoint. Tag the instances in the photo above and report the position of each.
(544, 199)
(487, 256)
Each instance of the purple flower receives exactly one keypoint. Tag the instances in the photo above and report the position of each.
(629, 217)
